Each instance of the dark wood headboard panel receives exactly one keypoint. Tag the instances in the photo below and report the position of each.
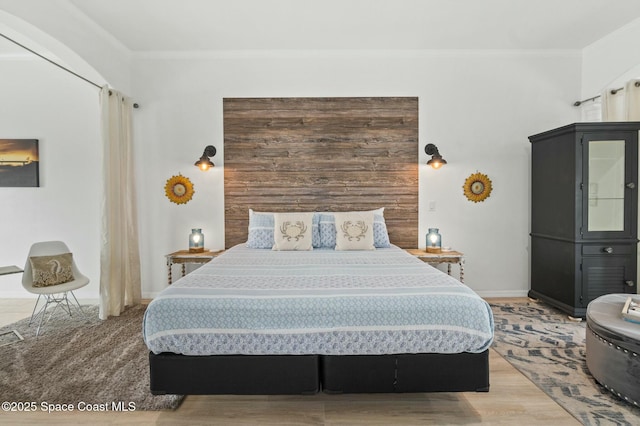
(322, 154)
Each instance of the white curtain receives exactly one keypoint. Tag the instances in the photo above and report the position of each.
(632, 100)
(622, 105)
(591, 110)
(120, 283)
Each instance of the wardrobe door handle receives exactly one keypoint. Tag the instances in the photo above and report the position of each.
(631, 185)
(630, 283)
(608, 250)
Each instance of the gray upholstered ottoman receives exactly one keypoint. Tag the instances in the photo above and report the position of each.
(613, 347)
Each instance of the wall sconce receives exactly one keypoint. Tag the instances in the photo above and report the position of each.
(436, 159)
(204, 163)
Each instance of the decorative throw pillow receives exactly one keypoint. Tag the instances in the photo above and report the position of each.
(293, 231)
(315, 236)
(51, 270)
(261, 228)
(380, 234)
(327, 228)
(354, 231)
(260, 235)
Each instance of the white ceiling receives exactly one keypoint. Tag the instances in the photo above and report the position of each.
(192, 25)
(196, 25)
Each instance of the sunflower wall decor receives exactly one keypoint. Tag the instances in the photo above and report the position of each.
(477, 187)
(179, 189)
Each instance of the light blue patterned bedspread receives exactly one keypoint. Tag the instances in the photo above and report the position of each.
(327, 302)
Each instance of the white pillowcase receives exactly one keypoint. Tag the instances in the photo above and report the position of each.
(354, 231)
(293, 231)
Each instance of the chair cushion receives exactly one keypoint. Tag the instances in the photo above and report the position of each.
(51, 270)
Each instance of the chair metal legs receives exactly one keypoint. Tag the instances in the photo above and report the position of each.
(60, 300)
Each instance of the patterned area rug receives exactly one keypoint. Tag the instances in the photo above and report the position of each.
(549, 349)
(80, 360)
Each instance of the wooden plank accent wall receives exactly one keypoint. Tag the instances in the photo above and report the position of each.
(321, 154)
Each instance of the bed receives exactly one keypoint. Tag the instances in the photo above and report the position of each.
(319, 155)
(256, 321)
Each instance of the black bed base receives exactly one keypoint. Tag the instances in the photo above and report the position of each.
(233, 374)
(405, 373)
(308, 374)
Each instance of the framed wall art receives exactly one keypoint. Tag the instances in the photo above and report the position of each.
(19, 163)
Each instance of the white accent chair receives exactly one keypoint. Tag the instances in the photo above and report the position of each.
(54, 294)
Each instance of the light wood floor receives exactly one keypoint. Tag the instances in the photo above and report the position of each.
(512, 400)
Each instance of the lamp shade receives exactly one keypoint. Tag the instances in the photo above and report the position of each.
(204, 163)
(436, 163)
(436, 160)
(434, 241)
(196, 240)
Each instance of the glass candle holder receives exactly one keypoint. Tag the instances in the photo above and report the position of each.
(434, 241)
(196, 241)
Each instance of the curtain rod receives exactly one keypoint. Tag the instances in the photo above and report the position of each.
(613, 92)
(135, 105)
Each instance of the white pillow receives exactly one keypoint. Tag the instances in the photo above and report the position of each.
(327, 230)
(354, 231)
(293, 231)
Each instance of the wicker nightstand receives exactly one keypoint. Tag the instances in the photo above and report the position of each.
(183, 257)
(447, 257)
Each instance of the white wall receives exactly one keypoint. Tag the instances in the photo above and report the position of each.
(611, 61)
(477, 107)
(42, 102)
